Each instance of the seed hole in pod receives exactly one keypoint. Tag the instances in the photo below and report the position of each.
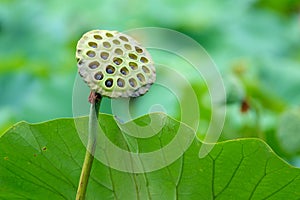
(120, 82)
(97, 37)
(80, 62)
(132, 56)
(132, 82)
(80, 73)
(98, 76)
(119, 51)
(141, 77)
(124, 71)
(93, 44)
(138, 49)
(145, 69)
(77, 59)
(94, 65)
(106, 44)
(127, 46)
(109, 35)
(144, 60)
(133, 65)
(117, 60)
(110, 69)
(79, 51)
(116, 42)
(91, 54)
(123, 38)
(104, 55)
(109, 82)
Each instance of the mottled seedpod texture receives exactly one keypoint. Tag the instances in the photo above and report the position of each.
(113, 64)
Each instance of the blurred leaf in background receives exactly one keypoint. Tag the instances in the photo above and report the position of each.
(256, 43)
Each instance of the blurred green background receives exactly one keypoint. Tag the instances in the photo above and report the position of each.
(255, 44)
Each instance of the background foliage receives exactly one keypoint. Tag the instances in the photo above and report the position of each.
(255, 44)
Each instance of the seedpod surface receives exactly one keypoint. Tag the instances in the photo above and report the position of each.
(114, 64)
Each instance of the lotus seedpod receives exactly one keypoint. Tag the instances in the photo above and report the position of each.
(114, 64)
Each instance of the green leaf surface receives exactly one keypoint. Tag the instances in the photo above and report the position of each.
(43, 161)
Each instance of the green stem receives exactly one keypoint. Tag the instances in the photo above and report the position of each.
(90, 149)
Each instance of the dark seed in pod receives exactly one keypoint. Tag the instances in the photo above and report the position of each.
(116, 42)
(133, 65)
(140, 77)
(123, 38)
(119, 51)
(144, 60)
(109, 71)
(109, 82)
(132, 82)
(120, 83)
(97, 37)
(94, 65)
(90, 54)
(132, 56)
(145, 69)
(93, 44)
(106, 44)
(138, 49)
(117, 61)
(104, 55)
(124, 71)
(109, 35)
(98, 76)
